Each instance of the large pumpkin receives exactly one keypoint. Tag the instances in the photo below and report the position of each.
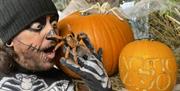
(146, 65)
(105, 31)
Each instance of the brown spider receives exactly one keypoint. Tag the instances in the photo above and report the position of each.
(72, 41)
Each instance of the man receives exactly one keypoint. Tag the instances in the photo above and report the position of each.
(26, 51)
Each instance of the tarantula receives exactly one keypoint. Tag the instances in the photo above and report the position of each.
(72, 41)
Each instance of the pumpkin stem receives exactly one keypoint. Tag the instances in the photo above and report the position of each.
(105, 8)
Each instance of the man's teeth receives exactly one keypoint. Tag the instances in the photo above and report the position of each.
(43, 56)
(45, 59)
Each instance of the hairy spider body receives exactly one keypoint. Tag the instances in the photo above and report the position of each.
(72, 41)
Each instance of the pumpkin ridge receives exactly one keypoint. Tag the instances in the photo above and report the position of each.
(110, 44)
(93, 30)
(103, 30)
(99, 31)
(121, 32)
(103, 36)
(125, 29)
(115, 43)
(119, 40)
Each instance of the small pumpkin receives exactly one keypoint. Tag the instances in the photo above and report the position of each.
(146, 65)
(105, 31)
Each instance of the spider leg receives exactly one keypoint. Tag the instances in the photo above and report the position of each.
(58, 45)
(67, 52)
(55, 37)
(75, 55)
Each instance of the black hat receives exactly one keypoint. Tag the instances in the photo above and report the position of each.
(16, 14)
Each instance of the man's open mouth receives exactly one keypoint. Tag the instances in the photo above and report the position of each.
(49, 52)
(48, 49)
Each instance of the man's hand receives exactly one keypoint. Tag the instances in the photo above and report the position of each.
(89, 67)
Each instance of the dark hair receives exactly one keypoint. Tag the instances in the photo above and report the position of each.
(7, 57)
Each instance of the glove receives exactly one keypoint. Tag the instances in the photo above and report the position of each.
(89, 67)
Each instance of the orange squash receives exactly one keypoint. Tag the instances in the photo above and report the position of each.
(146, 65)
(105, 31)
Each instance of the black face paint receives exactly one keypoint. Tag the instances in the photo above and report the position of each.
(51, 32)
(30, 47)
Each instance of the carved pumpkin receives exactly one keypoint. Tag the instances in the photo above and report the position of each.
(146, 65)
(105, 31)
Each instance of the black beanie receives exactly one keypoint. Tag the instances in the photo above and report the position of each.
(16, 14)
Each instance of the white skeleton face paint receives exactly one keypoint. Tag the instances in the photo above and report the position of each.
(34, 50)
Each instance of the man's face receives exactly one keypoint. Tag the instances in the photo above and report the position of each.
(34, 50)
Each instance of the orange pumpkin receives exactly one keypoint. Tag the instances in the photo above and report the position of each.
(146, 65)
(105, 31)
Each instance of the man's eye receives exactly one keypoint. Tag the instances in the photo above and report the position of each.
(54, 24)
(37, 26)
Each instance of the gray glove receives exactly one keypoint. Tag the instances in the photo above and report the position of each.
(89, 67)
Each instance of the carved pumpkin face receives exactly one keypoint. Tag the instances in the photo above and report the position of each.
(146, 65)
(105, 31)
